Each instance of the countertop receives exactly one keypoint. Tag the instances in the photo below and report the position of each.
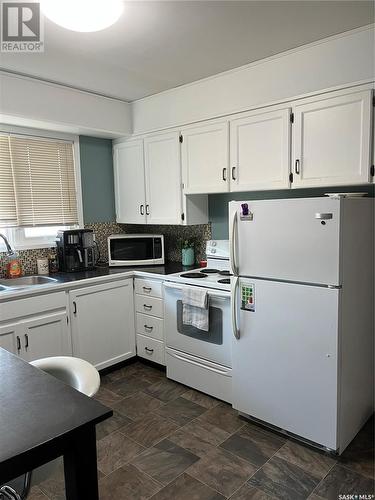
(98, 275)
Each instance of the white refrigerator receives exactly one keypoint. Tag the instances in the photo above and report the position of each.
(302, 315)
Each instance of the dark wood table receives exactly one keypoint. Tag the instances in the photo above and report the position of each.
(41, 418)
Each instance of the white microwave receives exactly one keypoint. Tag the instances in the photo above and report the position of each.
(135, 249)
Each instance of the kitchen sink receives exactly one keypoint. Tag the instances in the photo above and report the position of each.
(25, 281)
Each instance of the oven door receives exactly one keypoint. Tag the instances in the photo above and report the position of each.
(214, 345)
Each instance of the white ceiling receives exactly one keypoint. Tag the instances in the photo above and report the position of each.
(160, 45)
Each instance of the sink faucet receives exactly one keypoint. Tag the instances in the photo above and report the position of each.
(10, 250)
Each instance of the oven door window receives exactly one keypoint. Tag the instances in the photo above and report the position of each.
(215, 330)
(129, 249)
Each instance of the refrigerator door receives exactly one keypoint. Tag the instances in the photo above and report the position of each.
(285, 361)
(293, 240)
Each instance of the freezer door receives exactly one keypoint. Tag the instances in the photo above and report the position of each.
(294, 240)
(285, 361)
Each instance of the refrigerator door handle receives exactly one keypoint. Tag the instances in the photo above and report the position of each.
(233, 244)
(236, 331)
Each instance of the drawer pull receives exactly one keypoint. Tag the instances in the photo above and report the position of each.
(149, 328)
(147, 288)
(18, 343)
(149, 350)
(26, 341)
(148, 308)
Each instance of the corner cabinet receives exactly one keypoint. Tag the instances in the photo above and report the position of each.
(148, 186)
(102, 322)
(332, 140)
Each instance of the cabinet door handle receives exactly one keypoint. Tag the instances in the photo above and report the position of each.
(233, 172)
(147, 307)
(18, 343)
(147, 288)
(142, 209)
(149, 350)
(296, 167)
(149, 328)
(224, 174)
(147, 209)
(26, 341)
(74, 307)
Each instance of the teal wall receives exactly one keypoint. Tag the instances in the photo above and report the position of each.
(98, 195)
(218, 203)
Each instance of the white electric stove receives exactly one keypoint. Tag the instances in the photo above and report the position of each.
(196, 358)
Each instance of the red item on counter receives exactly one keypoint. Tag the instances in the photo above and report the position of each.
(202, 263)
(14, 269)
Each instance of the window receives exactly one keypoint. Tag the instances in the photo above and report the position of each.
(39, 188)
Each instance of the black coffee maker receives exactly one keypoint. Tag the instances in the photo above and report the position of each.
(76, 250)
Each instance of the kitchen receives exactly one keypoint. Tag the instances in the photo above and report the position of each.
(219, 282)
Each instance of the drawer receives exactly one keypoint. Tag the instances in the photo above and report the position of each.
(149, 305)
(152, 288)
(20, 308)
(150, 349)
(150, 326)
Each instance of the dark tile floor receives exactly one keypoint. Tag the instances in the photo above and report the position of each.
(168, 442)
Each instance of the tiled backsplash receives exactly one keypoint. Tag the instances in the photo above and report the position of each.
(172, 235)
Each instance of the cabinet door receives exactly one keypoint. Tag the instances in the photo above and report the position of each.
(163, 179)
(102, 319)
(45, 336)
(8, 338)
(129, 182)
(260, 151)
(205, 158)
(332, 140)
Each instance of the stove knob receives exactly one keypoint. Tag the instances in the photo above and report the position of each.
(213, 250)
(213, 243)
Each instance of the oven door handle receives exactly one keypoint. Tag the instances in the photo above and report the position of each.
(193, 362)
(236, 331)
(211, 294)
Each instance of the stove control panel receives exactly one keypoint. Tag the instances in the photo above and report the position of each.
(218, 249)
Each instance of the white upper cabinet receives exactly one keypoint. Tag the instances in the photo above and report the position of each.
(163, 179)
(332, 140)
(205, 158)
(129, 182)
(260, 150)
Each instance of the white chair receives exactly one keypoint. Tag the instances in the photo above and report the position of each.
(75, 372)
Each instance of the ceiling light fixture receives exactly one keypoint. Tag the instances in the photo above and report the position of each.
(83, 15)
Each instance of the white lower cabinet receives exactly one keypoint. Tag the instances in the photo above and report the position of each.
(102, 322)
(36, 327)
(8, 338)
(151, 349)
(44, 336)
(149, 310)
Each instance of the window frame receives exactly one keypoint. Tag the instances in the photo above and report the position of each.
(16, 235)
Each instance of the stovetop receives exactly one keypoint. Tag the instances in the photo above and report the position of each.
(215, 275)
(198, 277)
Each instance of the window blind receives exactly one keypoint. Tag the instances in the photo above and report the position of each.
(39, 182)
(8, 210)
